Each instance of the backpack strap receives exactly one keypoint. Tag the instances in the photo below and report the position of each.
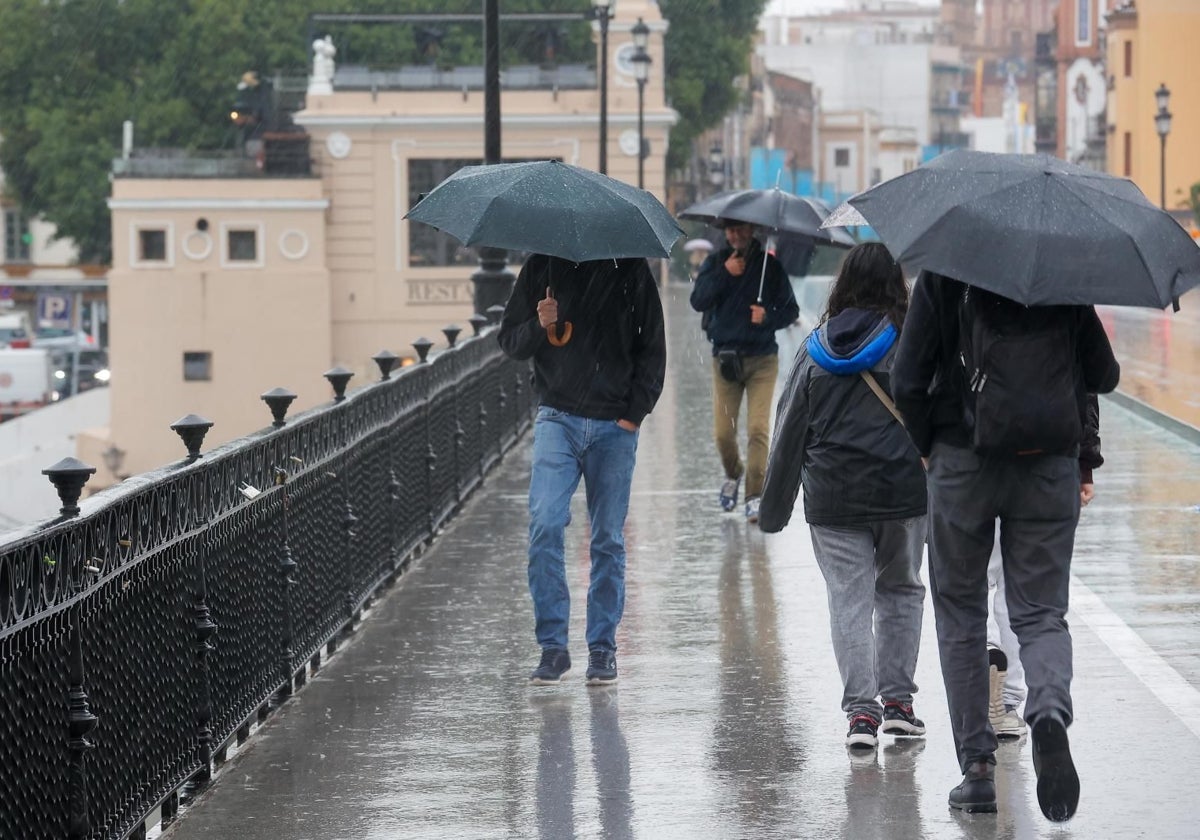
(874, 385)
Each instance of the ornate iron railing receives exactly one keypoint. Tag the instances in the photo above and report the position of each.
(143, 634)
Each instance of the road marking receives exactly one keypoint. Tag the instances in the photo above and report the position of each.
(1163, 681)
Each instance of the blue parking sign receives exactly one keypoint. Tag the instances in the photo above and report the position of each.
(54, 310)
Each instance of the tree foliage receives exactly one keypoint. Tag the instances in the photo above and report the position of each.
(71, 71)
(708, 46)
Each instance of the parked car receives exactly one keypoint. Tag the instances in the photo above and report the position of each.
(15, 331)
(52, 337)
(93, 371)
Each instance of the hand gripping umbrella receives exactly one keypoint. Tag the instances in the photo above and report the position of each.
(1032, 228)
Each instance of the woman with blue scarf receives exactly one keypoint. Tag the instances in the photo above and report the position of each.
(837, 434)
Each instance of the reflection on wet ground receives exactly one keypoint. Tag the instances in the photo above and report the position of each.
(1160, 355)
(726, 721)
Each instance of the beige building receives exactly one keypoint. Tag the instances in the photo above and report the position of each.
(224, 287)
(1151, 43)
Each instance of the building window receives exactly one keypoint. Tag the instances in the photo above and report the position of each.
(152, 245)
(1128, 154)
(1083, 22)
(197, 366)
(841, 157)
(243, 246)
(1129, 59)
(16, 236)
(428, 246)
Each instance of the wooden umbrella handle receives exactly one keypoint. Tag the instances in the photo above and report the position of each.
(553, 336)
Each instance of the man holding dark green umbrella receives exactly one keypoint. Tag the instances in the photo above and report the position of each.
(595, 333)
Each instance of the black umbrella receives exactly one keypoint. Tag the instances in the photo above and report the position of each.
(773, 209)
(548, 207)
(1032, 228)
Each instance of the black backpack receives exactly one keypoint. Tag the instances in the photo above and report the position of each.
(1019, 376)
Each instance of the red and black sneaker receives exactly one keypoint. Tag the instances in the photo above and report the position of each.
(898, 719)
(863, 732)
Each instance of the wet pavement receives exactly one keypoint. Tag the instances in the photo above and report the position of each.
(726, 720)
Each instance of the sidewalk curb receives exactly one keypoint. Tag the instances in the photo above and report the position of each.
(1147, 412)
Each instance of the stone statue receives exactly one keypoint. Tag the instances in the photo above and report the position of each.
(321, 80)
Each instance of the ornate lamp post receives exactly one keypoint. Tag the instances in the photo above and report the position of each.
(1162, 124)
(641, 71)
(602, 12)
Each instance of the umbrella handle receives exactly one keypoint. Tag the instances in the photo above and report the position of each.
(553, 336)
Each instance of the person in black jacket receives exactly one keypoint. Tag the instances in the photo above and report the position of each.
(864, 493)
(1036, 498)
(745, 296)
(594, 331)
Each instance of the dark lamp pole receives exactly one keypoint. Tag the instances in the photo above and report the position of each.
(602, 10)
(1162, 124)
(641, 71)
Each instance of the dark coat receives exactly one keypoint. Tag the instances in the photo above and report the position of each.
(726, 302)
(835, 437)
(613, 366)
(926, 384)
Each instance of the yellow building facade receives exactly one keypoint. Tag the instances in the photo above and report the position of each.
(1151, 43)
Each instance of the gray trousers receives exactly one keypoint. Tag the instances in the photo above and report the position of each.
(1036, 499)
(876, 599)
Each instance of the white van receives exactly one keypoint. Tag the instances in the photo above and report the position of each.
(15, 330)
(26, 381)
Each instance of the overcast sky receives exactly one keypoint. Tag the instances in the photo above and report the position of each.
(796, 7)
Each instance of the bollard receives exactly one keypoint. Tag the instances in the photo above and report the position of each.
(451, 332)
(339, 378)
(386, 360)
(68, 477)
(477, 322)
(422, 345)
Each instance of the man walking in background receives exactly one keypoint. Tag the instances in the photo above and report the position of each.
(745, 296)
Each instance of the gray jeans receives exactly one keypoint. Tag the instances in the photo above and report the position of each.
(1036, 499)
(876, 598)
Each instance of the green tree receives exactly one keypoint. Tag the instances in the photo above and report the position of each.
(708, 46)
(71, 71)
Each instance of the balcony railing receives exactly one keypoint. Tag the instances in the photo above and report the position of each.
(142, 636)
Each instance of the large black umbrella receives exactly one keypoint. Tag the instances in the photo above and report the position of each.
(773, 209)
(548, 207)
(1032, 228)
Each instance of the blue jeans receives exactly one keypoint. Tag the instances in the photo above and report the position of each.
(566, 448)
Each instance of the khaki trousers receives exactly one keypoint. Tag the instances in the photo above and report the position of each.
(758, 384)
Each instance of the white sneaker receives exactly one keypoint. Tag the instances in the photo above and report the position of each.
(752, 510)
(997, 671)
(1010, 725)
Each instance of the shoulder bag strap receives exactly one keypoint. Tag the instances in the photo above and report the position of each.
(874, 385)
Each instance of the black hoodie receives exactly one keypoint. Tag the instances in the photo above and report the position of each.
(612, 367)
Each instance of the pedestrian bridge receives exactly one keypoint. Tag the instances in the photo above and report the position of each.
(282, 668)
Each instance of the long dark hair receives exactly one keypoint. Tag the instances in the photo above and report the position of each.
(870, 279)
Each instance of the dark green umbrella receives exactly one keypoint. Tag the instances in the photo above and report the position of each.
(548, 207)
(1033, 228)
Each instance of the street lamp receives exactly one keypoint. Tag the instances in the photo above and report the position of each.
(602, 12)
(641, 71)
(1162, 124)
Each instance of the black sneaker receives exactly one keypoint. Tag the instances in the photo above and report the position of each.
(976, 793)
(555, 662)
(602, 667)
(863, 734)
(898, 719)
(1058, 783)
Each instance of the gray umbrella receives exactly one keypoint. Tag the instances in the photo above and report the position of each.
(548, 207)
(1032, 228)
(773, 209)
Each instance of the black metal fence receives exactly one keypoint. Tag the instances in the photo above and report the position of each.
(143, 635)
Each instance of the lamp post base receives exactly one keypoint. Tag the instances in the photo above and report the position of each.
(493, 281)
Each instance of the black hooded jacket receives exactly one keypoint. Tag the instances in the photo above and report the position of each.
(835, 436)
(726, 302)
(612, 367)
